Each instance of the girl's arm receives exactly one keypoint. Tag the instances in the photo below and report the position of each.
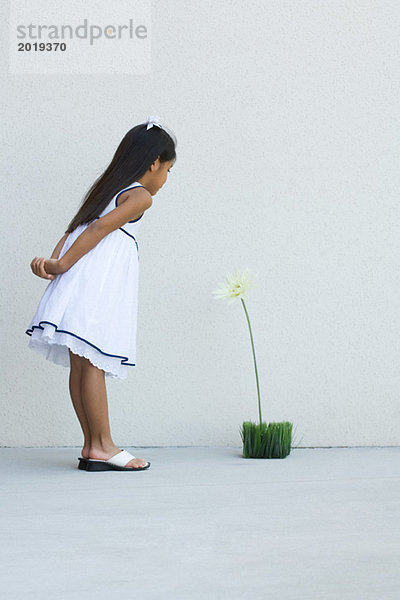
(136, 203)
(38, 264)
(88, 239)
(57, 249)
(48, 268)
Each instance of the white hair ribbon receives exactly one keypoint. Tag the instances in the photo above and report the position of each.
(155, 120)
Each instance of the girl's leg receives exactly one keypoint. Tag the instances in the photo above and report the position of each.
(94, 397)
(75, 378)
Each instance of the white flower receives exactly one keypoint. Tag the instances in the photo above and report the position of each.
(235, 286)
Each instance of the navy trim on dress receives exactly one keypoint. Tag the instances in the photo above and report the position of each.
(130, 235)
(125, 190)
(123, 358)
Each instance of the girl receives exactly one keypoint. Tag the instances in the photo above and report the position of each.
(87, 316)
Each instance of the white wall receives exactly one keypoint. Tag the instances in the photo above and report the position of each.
(287, 119)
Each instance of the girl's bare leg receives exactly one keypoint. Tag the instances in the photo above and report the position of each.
(75, 378)
(94, 398)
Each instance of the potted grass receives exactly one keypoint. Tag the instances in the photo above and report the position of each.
(260, 440)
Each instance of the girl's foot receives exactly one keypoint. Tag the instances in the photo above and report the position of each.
(102, 454)
(85, 452)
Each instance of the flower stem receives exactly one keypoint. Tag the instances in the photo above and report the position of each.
(255, 362)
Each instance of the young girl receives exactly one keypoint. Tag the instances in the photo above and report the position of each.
(87, 316)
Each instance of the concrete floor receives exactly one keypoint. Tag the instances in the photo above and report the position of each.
(202, 523)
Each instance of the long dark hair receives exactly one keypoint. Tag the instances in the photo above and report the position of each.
(139, 148)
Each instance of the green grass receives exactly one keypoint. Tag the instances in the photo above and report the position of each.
(264, 440)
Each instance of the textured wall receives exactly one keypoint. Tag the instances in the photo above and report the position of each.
(286, 115)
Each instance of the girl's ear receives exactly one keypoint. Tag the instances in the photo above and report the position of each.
(155, 164)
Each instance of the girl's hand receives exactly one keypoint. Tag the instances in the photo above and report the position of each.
(47, 268)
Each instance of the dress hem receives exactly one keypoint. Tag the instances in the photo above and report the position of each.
(77, 345)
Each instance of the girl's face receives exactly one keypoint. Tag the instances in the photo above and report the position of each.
(156, 176)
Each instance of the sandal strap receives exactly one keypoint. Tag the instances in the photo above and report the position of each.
(120, 459)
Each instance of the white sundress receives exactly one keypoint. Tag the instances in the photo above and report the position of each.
(92, 308)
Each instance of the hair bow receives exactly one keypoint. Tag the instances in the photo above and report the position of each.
(153, 121)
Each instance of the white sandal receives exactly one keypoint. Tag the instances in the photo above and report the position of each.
(115, 463)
